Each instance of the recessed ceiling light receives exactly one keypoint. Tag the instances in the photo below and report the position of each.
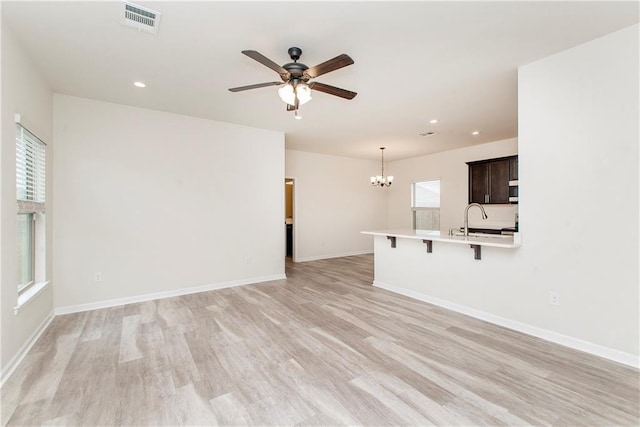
(475, 132)
(433, 121)
(139, 84)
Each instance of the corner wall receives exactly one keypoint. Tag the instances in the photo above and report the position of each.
(158, 203)
(578, 142)
(24, 91)
(333, 202)
(579, 193)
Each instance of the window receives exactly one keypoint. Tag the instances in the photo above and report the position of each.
(30, 193)
(425, 205)
(25, 250)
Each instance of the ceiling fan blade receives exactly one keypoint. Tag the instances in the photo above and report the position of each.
(256, 86)
(265, 61)
(332, 90)
(328, 66)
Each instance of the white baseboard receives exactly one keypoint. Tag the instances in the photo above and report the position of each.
(340, 255)
(17, 359)
(166, 294)
(564, 340)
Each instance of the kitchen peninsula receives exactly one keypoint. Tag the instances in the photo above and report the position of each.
(474, 240)
(440, 268)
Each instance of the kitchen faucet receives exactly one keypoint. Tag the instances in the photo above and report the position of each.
(466, 216)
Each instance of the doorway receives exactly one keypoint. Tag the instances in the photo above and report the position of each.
(289, 216)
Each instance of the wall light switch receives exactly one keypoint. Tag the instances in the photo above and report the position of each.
(97, 277)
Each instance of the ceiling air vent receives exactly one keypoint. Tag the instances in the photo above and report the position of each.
(141, 18)
(427, 134)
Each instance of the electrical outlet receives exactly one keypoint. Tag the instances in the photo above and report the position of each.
(554, 298)
(97, 277)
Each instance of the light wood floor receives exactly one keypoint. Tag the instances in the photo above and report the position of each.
(321, 348)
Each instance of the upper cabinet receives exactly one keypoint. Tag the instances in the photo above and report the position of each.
(513, 168)
(489, 180)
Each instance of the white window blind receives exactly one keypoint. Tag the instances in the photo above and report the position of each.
(426, 194)
(30, 171)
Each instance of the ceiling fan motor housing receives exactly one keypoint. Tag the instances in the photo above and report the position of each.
(296, 69)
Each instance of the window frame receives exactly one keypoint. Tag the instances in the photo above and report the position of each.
(31, 153)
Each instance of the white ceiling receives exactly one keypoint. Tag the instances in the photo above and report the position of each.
(414, 61)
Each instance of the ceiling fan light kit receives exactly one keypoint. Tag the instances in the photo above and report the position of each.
(294, 92)
(381, 180)
(296, 86)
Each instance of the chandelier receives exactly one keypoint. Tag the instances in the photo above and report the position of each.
(381, 180)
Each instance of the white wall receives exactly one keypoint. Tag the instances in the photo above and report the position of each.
(451, 169)
(334, 201)
(578, 172)
(24, 91)
(158, 202)
(578, 128)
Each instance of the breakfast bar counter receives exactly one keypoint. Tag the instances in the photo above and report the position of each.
(475, 240)
(446, 270)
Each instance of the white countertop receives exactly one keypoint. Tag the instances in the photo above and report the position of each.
(497, 241)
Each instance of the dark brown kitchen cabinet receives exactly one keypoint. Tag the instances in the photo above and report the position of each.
(498, 182)
(513, 168)
(478, 183)
(489, 180)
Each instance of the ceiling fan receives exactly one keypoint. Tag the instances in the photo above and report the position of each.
(296, 88)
